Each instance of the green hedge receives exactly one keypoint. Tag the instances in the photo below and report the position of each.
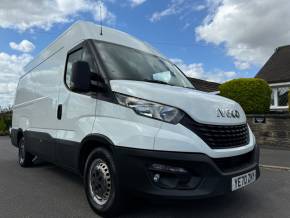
(5, 122)
(254, 95)
(3, 126)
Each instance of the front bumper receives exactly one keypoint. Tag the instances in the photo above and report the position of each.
(206, 177)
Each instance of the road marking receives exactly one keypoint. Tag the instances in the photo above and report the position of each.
(275, 167)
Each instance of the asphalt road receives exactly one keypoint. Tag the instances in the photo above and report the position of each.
(48, 191)
(275, 157)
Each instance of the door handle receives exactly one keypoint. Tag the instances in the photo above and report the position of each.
(59, 111)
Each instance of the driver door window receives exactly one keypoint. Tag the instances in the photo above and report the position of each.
(72, 58)
(80, 55)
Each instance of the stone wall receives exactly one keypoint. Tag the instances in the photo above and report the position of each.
(271, 130)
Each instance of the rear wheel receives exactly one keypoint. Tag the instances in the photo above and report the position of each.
(101, 183)
(24, 158)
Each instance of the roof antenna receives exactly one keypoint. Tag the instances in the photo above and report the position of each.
(101, 19)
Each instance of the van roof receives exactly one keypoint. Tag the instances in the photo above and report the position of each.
(82, 30)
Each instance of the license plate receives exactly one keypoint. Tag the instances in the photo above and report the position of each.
(243, 180)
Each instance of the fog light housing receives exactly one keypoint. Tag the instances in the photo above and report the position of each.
(172, 177)
(168, 169)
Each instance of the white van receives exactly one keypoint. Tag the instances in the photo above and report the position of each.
(114, 110)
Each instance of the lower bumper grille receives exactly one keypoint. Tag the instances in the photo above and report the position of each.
(236, 162)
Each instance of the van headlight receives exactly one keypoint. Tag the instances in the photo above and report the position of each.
(151, 109)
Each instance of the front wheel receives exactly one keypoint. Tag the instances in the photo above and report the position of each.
(24, 158)
(101, 183)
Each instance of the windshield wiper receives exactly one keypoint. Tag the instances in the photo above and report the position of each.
(156, 81)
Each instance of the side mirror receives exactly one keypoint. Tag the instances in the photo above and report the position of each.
(81, 77)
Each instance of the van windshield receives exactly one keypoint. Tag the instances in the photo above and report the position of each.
(123, 63)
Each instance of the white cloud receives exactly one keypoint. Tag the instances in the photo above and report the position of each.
(249, 30)
(196, 70)
(177, 7)
(24, 15)
(174, 7)
(200, 7)
(11, 69)
(135, 3)
(23, 46)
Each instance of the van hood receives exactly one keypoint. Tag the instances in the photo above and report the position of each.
(201, 106)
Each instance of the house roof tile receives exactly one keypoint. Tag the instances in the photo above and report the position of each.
(277, 68)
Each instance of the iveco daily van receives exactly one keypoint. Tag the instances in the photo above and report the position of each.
(114, 110)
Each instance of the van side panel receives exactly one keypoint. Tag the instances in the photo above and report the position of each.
(46, 79)
(22, 105)
(36, 105)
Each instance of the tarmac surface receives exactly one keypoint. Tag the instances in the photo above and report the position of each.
(48, 191)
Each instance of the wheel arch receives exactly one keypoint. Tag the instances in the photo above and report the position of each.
(89, 143)
(16, 135)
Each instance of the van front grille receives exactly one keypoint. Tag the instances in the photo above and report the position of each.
(219, 136)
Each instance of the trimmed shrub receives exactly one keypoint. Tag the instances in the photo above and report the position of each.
(3, 127)
(5, 122)
(254, 95)
(8, 121)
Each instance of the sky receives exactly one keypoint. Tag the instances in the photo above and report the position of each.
(215, 40)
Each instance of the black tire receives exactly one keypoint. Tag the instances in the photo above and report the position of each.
(100, 176)
(25, 159)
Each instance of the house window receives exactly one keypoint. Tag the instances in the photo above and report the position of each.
(273, 98)
(283, 96)
(279, 98)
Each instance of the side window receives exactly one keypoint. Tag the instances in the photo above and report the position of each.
(87, 57)
(72, 58)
